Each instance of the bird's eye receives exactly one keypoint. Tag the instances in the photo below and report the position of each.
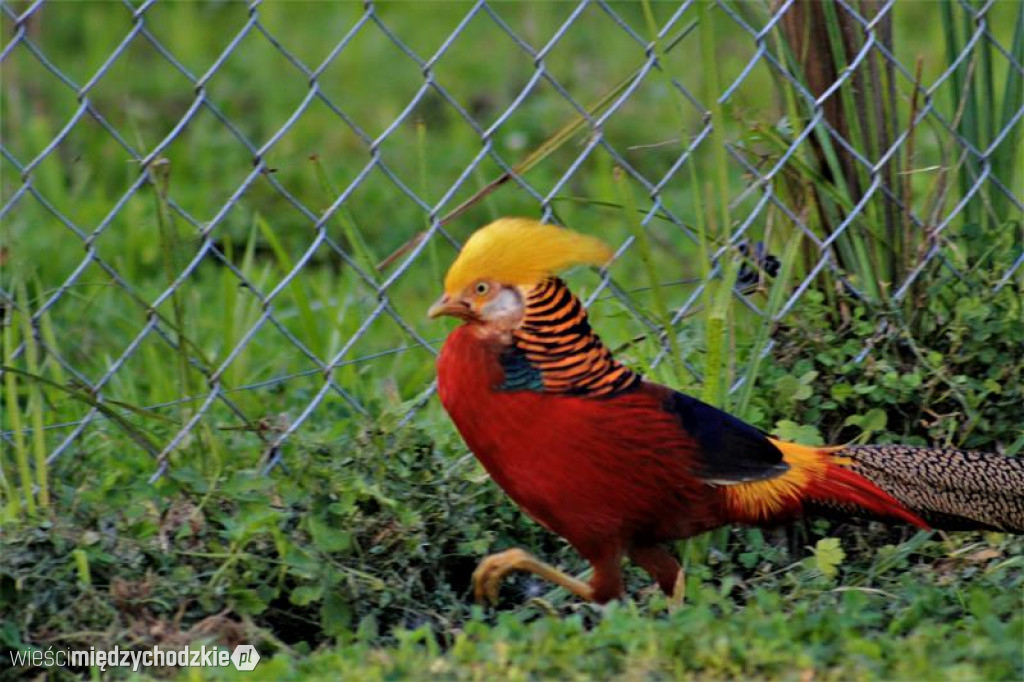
(482, 288)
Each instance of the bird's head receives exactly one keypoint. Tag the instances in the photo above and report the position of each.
(502, 262)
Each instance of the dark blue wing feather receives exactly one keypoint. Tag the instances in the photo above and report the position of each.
(731, 451)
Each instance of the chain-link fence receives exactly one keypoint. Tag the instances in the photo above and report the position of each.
(224, 221)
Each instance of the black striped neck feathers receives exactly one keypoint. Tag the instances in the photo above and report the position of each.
(554, 350)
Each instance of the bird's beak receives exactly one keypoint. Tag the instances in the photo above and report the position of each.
(446, 305)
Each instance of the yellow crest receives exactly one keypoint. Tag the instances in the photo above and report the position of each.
(521, 251)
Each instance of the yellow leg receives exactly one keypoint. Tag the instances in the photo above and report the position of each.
(492, 570)
(679, 590)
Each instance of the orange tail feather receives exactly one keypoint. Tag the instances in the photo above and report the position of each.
(818, 477)
(842, 487)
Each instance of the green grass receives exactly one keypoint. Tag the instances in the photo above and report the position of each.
(357, 552)
(846, 634)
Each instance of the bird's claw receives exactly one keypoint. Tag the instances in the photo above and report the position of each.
(492, 570)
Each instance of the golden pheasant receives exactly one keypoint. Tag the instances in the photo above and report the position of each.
(618, 465)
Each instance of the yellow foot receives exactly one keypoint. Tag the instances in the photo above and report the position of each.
(492, 570)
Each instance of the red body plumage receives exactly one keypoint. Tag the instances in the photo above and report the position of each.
(586, 468)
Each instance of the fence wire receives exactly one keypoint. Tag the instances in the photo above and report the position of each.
(93, 365)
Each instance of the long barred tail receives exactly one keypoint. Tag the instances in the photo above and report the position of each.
(950, 489)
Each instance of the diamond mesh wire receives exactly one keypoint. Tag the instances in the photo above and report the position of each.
(281, 224)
